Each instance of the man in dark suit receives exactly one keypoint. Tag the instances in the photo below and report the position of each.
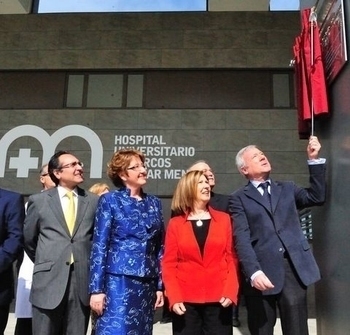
(11, 244)
(274, 253)
(59, 246)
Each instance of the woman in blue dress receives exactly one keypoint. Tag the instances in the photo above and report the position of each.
(125, 283)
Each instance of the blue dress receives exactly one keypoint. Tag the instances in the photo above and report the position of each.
(125, 261)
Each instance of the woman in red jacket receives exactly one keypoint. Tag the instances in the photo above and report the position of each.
(199, 264)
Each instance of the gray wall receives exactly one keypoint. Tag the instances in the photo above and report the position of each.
(147, 40)
(112, 42)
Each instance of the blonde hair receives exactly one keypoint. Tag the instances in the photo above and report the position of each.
(99, 188)
(185, 194)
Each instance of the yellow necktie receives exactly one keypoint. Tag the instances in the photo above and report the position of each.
(69, 215)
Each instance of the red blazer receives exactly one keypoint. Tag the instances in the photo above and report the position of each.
(189, 277)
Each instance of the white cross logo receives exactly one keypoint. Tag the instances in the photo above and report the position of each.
(23, 163)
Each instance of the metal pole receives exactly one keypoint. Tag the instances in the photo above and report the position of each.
(313, 22)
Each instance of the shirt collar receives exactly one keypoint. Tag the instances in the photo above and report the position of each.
(256, 183)
(63, 191)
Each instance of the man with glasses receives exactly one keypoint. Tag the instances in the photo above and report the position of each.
(58, 233)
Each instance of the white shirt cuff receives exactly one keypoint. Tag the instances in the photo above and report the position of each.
(254, 275)
(316, 161)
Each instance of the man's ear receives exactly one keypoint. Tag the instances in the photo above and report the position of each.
(57, 174)
(244, 171)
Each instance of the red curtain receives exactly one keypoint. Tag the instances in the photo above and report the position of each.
(311, 85)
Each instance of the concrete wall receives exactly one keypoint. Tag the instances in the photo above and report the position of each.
(15, 6)
(238, 5)
(113, 42)
(146, 40)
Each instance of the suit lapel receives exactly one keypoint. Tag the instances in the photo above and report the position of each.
(56, 207)
(251, 192)
(276, 190)
(82, 204)
(192, 237)
(212, 227)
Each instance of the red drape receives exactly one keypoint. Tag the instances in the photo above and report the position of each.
(309, 72)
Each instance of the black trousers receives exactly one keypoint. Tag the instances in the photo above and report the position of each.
(23, 326)
(291, 303)
(203, 319)
(4, 315)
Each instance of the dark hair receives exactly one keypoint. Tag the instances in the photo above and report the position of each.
(54, 164)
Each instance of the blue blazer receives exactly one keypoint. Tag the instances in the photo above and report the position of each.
(263, 236)
(11, 240)
(128, 238)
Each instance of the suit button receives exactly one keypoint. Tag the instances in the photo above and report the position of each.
(281, 250)
(67, 263)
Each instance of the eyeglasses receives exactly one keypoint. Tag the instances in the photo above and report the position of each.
(71, 165)
(137, 167)
(45, 174)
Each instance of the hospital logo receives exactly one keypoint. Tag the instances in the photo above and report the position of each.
(24, 162)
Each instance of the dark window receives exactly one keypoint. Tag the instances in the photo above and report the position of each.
(214, 89)
(208, 89)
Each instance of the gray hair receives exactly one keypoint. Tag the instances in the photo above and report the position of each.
(240, 163)
(195, 163)
(43, 168)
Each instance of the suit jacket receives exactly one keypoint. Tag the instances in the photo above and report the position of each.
(190, 277)
(220, 202)
(49, 244)
(11, 240)
(128, 238)
(264, 237)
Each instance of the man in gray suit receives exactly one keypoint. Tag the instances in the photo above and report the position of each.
(60, 250)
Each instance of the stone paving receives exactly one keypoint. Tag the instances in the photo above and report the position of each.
(165, 329)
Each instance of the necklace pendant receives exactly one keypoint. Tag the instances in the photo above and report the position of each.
(199, 223)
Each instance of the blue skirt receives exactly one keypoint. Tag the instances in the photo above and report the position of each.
(129, 306)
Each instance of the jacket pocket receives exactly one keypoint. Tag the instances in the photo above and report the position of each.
(46, 266)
